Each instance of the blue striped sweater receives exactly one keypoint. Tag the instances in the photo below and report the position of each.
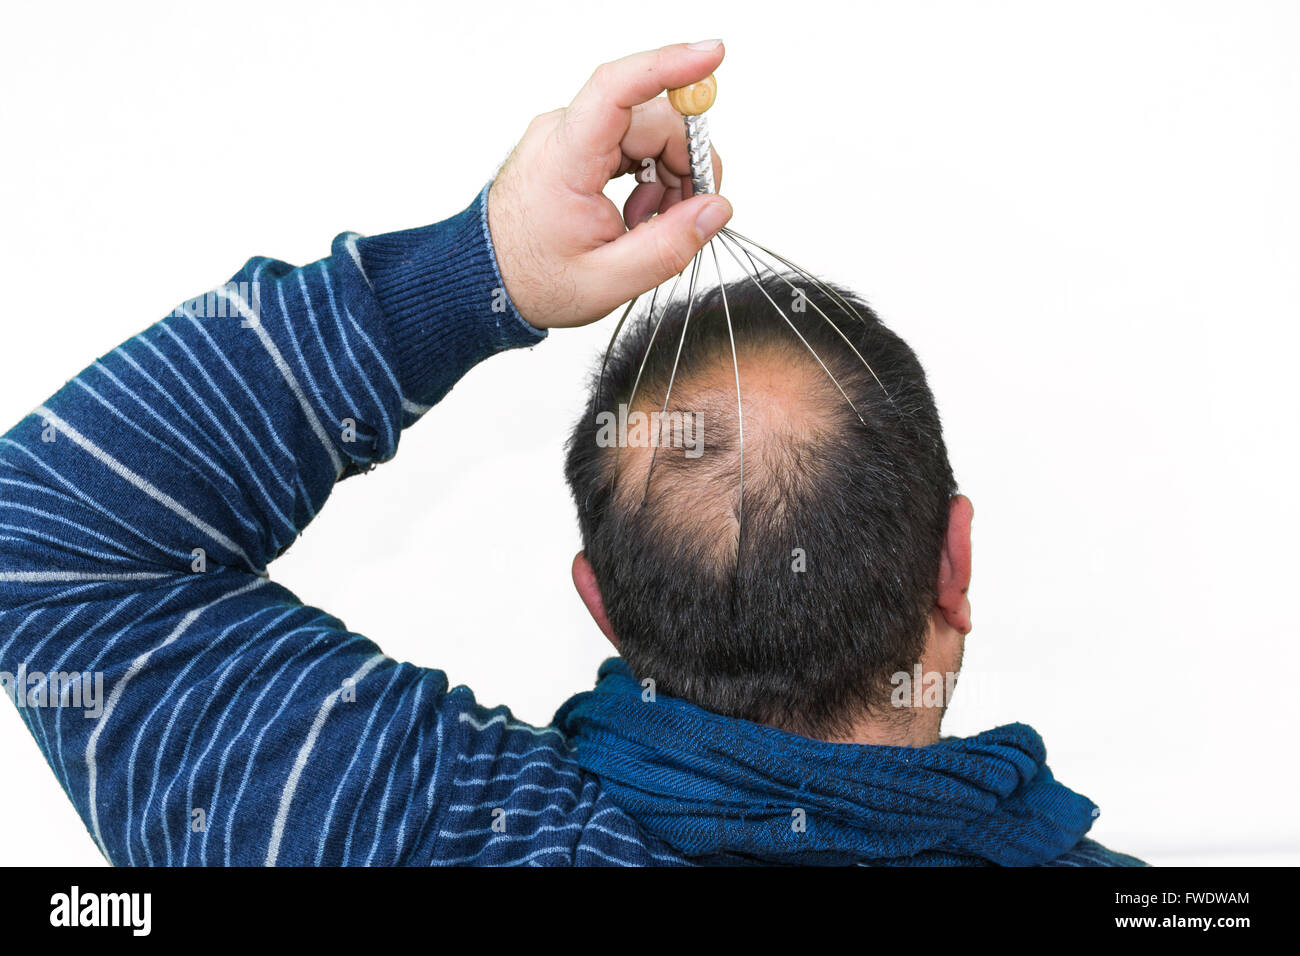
(140, 507)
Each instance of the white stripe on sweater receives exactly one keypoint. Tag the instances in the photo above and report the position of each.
(286, 373)
(291, 785)
(137, 665)
(40, 576)
(164, 499)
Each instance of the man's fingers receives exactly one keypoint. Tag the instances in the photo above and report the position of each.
(656, 250)
(646, 200)
(601, 114)
(611, 128)
(657, 130)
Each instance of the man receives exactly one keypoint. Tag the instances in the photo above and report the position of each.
(142, 503)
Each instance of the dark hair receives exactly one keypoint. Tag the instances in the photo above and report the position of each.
(713, 608)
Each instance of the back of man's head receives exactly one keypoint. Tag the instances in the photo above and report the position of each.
(795, 609)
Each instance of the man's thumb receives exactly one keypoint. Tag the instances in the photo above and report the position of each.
(659, 248)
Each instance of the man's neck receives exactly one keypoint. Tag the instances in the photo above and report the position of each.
(920, 697)
(918, 727)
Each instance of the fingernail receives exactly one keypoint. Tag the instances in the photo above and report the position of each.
(712, 218)
(703, 45)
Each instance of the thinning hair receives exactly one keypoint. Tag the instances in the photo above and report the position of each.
(794, 607)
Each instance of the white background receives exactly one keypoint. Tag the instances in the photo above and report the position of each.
(1083, 216)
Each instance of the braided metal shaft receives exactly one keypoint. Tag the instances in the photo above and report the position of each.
(701, 155)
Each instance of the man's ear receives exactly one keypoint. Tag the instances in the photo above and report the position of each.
(584, 579)
(954, 566)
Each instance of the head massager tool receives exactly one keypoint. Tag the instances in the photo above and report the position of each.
(693, 102)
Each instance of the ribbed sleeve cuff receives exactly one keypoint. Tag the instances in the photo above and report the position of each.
(446, 305)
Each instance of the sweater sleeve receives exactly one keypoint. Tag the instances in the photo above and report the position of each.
(194, 711)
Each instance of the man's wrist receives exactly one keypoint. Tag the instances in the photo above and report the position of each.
(446, 306)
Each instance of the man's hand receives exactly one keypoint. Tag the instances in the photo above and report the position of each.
(566, 254)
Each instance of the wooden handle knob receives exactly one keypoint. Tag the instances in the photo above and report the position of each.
(694, 99)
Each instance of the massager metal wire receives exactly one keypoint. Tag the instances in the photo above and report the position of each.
(753, 260)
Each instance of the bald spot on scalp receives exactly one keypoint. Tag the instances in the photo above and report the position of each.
(791, 409)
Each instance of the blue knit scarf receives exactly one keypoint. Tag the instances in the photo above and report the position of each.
(726, 790)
